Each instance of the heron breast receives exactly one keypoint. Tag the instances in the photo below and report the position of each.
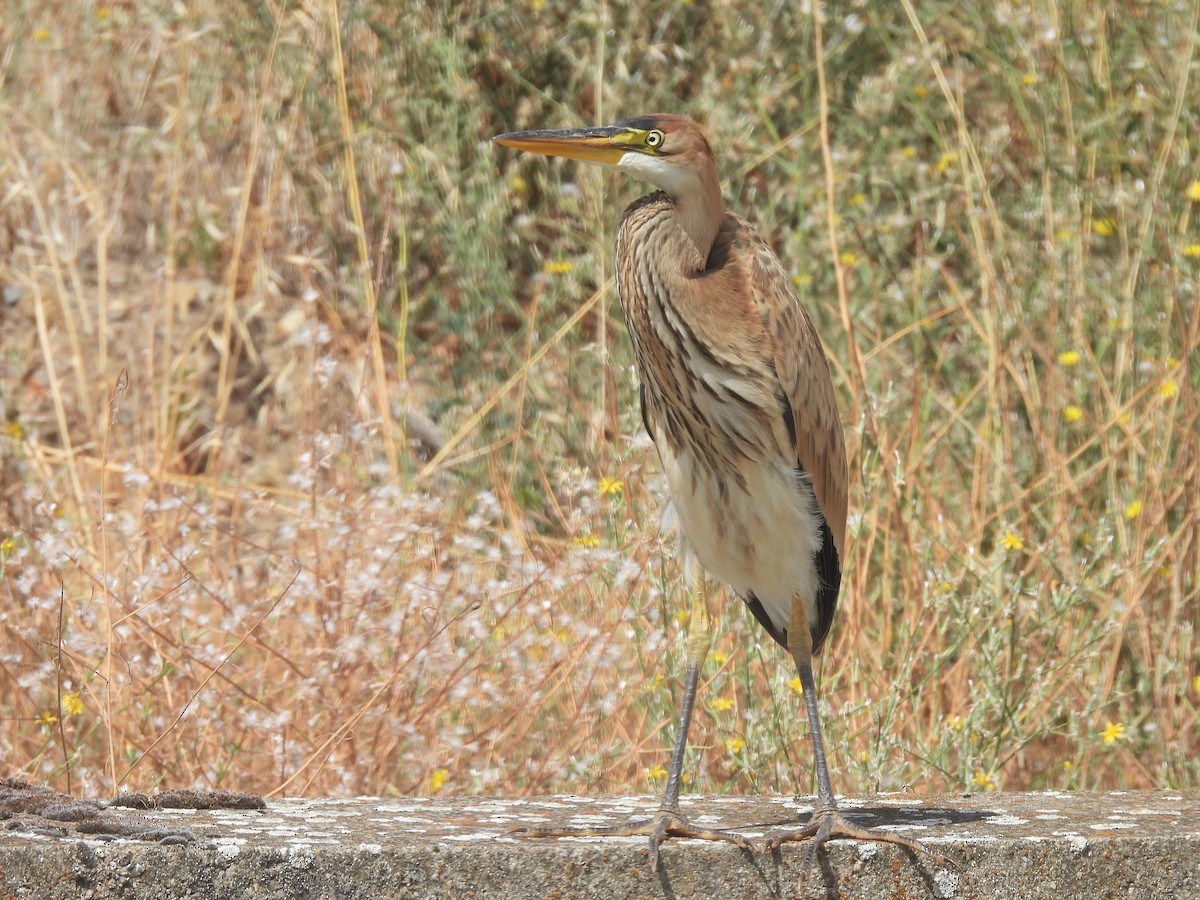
(758, 533)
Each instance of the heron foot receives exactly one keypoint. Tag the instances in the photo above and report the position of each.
(667, 822)
(828, 823)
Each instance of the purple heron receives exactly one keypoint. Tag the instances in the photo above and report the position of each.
(736, 394)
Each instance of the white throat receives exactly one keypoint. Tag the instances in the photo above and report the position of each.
(672, 179)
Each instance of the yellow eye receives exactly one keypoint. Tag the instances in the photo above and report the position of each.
(655, 139)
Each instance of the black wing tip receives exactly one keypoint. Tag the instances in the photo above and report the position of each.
(779, 635)
(829, 573)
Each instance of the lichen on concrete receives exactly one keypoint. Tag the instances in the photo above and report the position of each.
(1046, 844)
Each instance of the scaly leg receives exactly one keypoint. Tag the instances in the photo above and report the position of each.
(827, 821)
(668, 821)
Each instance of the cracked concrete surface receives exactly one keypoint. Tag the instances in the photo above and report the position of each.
(1048, 844)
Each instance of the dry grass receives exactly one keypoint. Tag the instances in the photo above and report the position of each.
(239, 245)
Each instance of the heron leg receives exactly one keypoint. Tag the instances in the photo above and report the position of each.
(699, 640)
(827, 821)
(668, 820)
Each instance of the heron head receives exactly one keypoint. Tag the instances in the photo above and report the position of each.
(669, 152)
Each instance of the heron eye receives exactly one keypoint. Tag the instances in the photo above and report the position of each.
(655, 139)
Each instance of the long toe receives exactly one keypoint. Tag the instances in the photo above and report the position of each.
(663, 824)
(827, 825)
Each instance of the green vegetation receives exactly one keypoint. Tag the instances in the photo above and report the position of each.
(245, 250)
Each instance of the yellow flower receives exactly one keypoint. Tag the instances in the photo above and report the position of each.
(735, 745)
(587, 540)
(438, 779)
(1104, 227)
(1012, 541)
(983, 780)
(47, 719)
(1068, 765)
(1029, 78)
(956, 722)
(14, 430)
(857, 200)
(1168, 389)
(518, 185)
(945, 161)
(72, 704)
(800, 279)
(796, 686)
(1072, 413)
(1068, 358)
(611, 486)
(656, 772)
(103, 12)
(921, 91)
(720, 657)
(1113, 732)
(1063, 234)
(849, 258)
(1133, 510)
(723, 704)
(41, 34)
(1196, 683)
(1193, 191)
(1191, 250)
(562, 267)
(908, 152)
(7, 546)
(682, 616)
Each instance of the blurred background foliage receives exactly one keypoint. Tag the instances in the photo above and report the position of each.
(285, 224)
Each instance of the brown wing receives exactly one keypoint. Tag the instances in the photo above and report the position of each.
(808, 407)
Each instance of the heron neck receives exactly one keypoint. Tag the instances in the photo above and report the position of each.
(699, 213)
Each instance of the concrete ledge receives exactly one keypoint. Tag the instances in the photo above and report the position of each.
(1008, 845)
